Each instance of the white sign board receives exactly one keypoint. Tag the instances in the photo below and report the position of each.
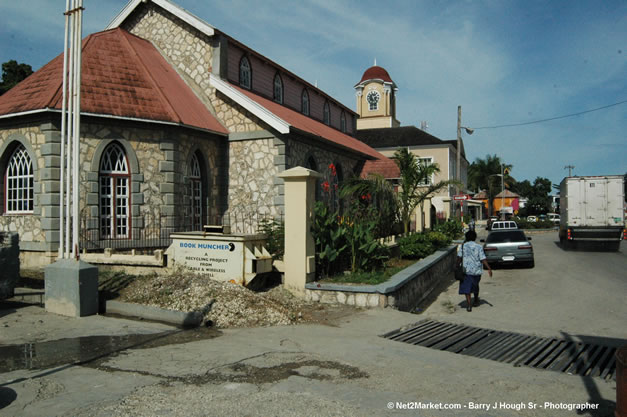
(219, 260)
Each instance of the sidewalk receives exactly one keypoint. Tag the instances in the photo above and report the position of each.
(309, 370)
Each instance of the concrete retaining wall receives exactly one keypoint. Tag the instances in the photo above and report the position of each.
(404, 291)
(9, 263)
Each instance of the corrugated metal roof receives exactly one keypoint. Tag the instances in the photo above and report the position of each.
(123, 76)
(308, 125)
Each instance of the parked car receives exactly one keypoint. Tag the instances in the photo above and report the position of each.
(507, 247)
(532, 219)
(506, 224)
(542, 217)
(555, 218)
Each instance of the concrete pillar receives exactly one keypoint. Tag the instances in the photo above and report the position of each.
(71, 288)
(300, 252)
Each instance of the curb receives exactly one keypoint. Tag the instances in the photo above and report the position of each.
(177, 318)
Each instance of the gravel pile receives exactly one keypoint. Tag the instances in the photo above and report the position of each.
(223, 303)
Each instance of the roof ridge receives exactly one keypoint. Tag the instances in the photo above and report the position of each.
(167, 104)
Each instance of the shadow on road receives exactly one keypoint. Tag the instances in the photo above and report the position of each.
(606, 407)
(7, 396)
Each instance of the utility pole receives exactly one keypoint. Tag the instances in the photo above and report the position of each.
(458, 171)
(570, 169)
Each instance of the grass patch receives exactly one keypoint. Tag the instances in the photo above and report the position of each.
(392, 267)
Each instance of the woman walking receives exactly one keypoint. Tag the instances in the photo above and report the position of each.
(472, 257)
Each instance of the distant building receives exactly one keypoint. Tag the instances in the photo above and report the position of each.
(378, 127)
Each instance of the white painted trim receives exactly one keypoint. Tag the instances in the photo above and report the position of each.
(25, 113)
(176, 10)
(111, 116)
(252, 106)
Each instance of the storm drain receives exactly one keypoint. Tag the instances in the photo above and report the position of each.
(571, 357)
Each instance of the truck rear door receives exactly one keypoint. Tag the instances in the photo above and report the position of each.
(595, 202)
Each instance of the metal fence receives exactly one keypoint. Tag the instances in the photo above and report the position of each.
(151, 231)
(148, 231)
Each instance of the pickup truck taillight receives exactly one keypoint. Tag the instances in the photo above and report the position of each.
(525, 247)
(489, 249)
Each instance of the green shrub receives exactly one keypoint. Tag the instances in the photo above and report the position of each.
(415, 246)
(452, 228)
(438, 239)
(275, 231)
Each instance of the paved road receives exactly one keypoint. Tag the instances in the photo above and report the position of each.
(346, 369)
(575, 293)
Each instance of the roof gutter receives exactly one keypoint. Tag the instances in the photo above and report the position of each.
(111, 116)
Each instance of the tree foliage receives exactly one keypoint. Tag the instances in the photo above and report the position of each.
(13, 73)
(484, 174)
(413, 177)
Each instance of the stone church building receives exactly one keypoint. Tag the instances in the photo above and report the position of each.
(181, 126)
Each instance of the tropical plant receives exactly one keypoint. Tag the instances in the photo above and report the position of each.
(329, 239)
(415, 184)
(376, 193)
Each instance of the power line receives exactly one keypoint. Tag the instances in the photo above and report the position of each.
(551, 118)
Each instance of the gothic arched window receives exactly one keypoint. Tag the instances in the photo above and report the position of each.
(245, 73)
(304, 102)
(19, 182)
(343, 122)
(196, 194)
(326, 113)
(278, 89)
(114, 180)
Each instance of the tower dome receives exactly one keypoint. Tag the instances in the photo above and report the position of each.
(376, 73)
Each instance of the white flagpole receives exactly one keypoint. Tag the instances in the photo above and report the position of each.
(63, 134)
(76, 133)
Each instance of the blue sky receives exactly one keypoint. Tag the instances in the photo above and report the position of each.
(504, 62)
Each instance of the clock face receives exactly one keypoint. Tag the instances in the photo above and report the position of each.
(373, 97)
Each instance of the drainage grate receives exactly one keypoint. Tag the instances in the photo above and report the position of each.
(575, 358)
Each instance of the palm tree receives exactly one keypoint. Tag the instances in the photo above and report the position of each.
(483, 175)
(415, 184)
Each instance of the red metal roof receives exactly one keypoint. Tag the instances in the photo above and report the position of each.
(122, 75)
(307, 124)
(376, 73)
(385, 167)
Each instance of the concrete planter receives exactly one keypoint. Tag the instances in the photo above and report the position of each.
(403, 291)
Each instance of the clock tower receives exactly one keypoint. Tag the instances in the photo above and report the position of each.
(376, 100)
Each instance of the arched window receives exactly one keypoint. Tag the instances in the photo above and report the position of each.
(196, 194)
(278, 89)
(311, 163)
(114, 193)
(19, 182)
(304, 102)
(326, 113)
(343, 122)
(245, 73)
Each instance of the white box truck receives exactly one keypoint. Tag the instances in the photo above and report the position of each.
(592, 210)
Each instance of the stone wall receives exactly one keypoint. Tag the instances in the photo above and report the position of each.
(9, 263)
(41, 141)
(252, 183)
(403, 291)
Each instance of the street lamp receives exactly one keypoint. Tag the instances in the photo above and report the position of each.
(502, 191)
(459, 149)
